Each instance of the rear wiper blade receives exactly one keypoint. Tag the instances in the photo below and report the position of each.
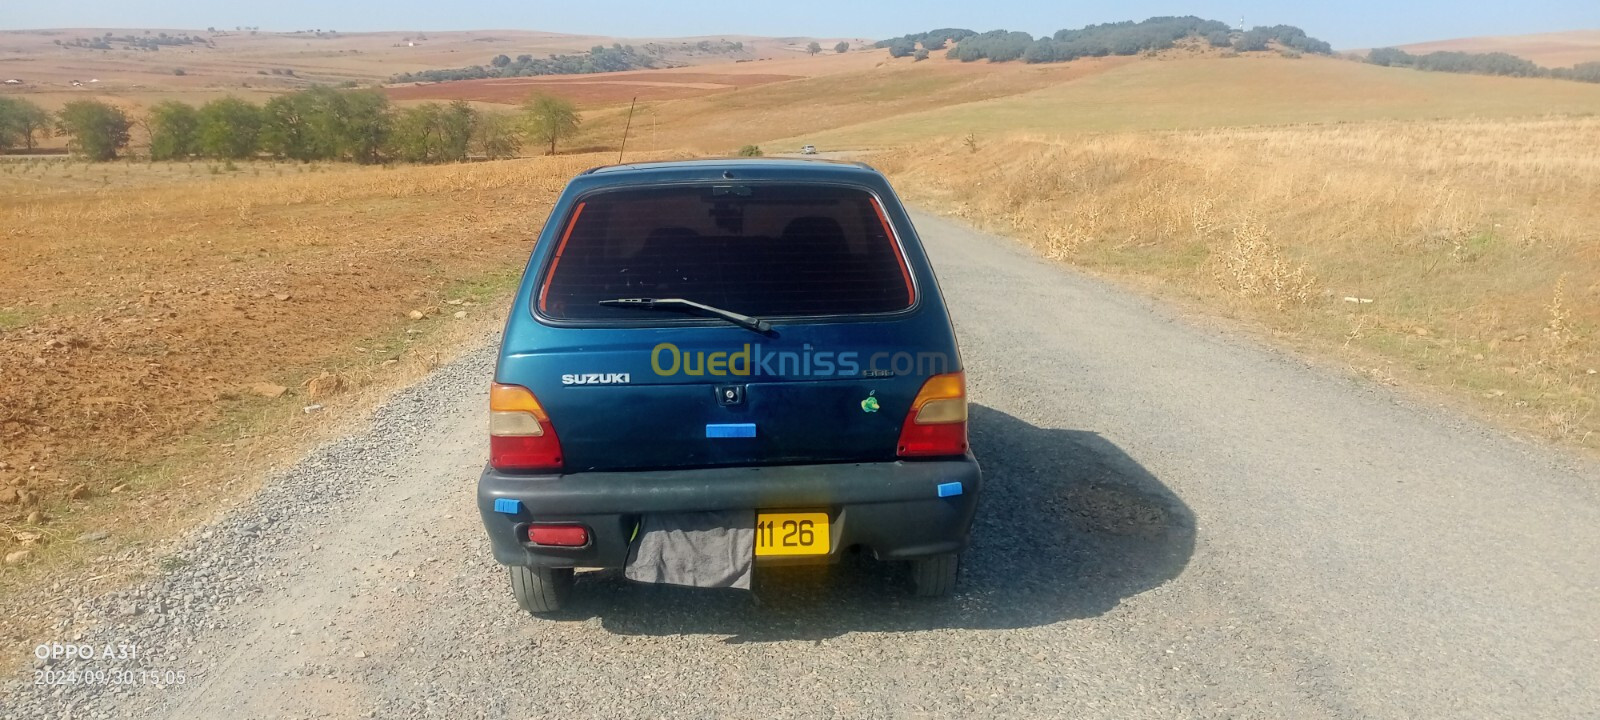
(682, 305)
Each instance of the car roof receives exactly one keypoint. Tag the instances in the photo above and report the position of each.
(729, 169)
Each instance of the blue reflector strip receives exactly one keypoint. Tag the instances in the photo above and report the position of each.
(731, 430)
(507, 506)
(950, 489)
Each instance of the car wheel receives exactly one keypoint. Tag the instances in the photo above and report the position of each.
(541, 590)
(935, 576)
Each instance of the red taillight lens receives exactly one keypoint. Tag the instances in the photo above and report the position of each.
(520, 434)
(558, 535)
(937, 423)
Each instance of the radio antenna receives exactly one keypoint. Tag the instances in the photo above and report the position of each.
(625, 129)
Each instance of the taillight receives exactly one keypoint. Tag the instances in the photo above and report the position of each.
(520, 434)
(558, 535)
(937, 422)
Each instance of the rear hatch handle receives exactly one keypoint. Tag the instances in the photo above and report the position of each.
(690, 306)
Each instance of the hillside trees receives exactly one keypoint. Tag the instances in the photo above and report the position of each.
(599, 59)
(931, 40)
(1254, 40)
(1120, 38)
(1132, 38)
(1390, 57)
(995, 46)
(813, 48)
(1293, 38)
(841, 47)
(1492, 63)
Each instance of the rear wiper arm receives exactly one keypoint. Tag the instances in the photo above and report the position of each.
(682, 305)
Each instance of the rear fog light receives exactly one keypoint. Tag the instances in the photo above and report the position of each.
(558, 535)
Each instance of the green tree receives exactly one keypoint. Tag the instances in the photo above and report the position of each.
(21, 123)
(456, 123)
(1252, 41)
(415, 134)
(94, 129)
(174, 130)
(360, 125)
(500, 61)
(322, 123)
(286, 130)
(751, 151)
(1389, 56)
(841, 47)
(547, 119)
(229, 128)
(496, 136)
(813, 48)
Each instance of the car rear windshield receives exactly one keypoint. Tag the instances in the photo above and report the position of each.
(767, 250)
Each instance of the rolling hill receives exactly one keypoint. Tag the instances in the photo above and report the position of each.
(1558, 49)
(1259, 89)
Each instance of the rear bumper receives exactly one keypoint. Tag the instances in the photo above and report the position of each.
(892, 509)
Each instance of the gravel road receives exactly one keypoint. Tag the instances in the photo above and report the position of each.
(1177, 523)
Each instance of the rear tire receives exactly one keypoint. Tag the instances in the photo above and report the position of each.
(935, 576)
(541, 590)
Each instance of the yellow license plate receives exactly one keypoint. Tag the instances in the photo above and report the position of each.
(792, 533)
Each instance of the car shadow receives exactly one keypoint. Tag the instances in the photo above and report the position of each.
(1068, 525)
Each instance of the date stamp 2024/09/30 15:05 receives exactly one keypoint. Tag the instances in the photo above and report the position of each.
(121, 663)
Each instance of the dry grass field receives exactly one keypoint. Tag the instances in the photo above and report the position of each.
(586, 90)
(1462, 256)
(798, 111)
(612, 89)
(162, 327)
(1558, 49)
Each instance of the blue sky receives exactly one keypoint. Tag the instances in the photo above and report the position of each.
(1346, 24)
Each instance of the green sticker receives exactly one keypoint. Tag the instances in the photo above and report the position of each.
(871, 403)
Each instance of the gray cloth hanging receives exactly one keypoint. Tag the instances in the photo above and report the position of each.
(699, 549)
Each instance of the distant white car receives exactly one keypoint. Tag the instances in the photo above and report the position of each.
(808, 150)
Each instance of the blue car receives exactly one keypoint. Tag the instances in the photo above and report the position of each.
(714, 365)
